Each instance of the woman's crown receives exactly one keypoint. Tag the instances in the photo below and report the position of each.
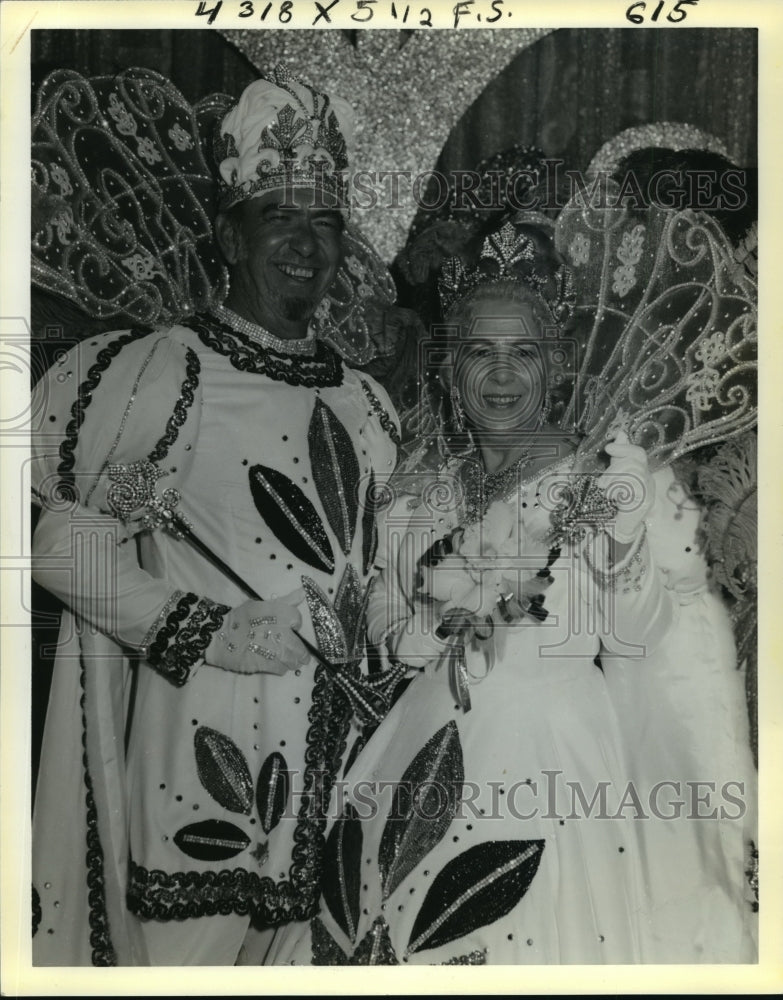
(516, 251)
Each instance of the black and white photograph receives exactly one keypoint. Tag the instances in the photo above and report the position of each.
(385, 449)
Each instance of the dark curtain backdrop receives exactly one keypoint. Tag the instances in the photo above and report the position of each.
(198, 62)
(568, 93)
(575, 89)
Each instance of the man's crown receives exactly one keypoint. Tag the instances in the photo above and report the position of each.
(283, 134)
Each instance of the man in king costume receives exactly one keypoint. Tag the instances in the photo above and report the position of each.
(207, 519)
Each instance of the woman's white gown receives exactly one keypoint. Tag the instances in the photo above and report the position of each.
(548, 856)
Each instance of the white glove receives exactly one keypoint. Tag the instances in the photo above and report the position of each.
(629, 482)
(257, 637)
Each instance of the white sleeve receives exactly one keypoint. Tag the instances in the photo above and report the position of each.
(109, 402)
(635, 608)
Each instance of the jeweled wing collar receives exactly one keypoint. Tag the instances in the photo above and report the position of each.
(323, 369)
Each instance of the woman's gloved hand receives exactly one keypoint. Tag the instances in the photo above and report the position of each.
(258, 637)
(629, 482)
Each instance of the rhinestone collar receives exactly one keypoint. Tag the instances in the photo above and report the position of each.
(302, 346)
(481, 489)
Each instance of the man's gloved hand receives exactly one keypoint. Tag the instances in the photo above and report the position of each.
(257, 637)
(629, 482)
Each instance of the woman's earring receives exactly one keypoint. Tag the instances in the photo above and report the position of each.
(225, 285)
(546, 409)
(456, 409)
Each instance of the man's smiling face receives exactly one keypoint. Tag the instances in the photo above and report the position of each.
(284, 257)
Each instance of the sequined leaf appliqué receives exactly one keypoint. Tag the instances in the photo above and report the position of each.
(477, 887)
(291, 516)
(335, 472)
(272, 791)
(212, 840)
(342, 863)
(369, 525)
(375, 948)
(223, 771)
(326, 951)
(350, 608)
(414, 828)
(326, 624)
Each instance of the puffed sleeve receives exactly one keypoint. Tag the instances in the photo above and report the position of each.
(110, 402)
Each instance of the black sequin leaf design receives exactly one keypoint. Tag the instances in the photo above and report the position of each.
(326, 951)
(375, 947)
(478, 887)
(212, 840)
(423, 806)
(369, 526)
(326, 625)
(342, 863)
(223, 770)
(272, 791)
(335, 472)
(291, 516)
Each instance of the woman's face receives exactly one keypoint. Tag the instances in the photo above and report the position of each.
(499, 368)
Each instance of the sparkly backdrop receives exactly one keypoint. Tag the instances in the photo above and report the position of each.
(446, 99)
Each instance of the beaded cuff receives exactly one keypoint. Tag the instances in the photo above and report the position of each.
(626, 575)
(160, 621)
(181, 634)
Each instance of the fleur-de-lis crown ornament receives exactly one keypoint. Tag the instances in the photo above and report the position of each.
(283, 134)
(518, 249)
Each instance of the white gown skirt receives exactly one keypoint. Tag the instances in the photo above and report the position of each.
(516, 849)
(684, 724)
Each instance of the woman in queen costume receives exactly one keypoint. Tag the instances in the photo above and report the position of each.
(567, 657)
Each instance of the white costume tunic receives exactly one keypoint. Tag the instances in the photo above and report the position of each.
(525, 851)
(180, 790)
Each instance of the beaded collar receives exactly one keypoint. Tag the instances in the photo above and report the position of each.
(262, 336)
(480, 489)
(324, 368)
(499, 485)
